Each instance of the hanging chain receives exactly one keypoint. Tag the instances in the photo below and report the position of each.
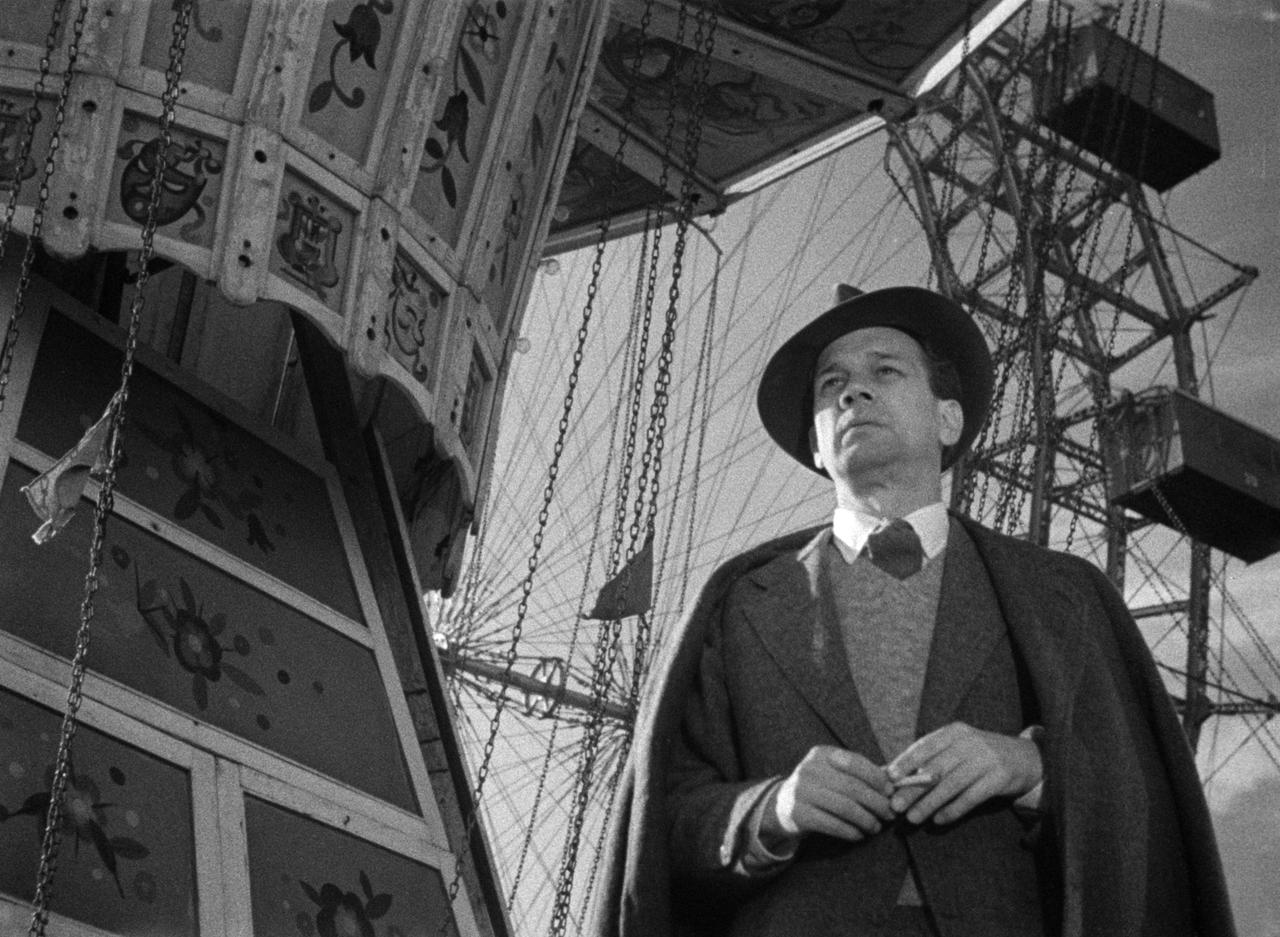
(526, 586)
(1043, 175)
(970, 478)
(629, 355)
(1087, 247)
(643, 521)
(616, 560)
(655, 437)
(52, 838)
(951, 154)
(24, 153)
(1009, 504)
(32, 115)
(621, 530)
(544, 513)
(699, 409)
(948, 146)
(1101, 391)
(606, 816)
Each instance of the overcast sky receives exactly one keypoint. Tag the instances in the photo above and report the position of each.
(1233, 47)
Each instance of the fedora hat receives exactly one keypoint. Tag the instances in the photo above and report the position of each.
(785, 397)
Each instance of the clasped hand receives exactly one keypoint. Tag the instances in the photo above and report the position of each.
(948, 773)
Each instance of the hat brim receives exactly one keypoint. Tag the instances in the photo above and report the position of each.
(785, 397)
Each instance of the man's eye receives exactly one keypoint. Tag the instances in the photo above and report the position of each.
(829, 382)
(887, 369)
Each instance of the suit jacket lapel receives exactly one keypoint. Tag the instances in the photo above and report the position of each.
(1044, 614)
(795, 621)
(964, 634)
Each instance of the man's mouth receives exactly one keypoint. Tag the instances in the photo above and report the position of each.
(853, 425)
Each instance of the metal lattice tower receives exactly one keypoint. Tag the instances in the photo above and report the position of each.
(1085, 291)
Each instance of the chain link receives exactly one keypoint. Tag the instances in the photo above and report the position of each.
(648, 483)
(699, 410)
(1101, 392)
(24, 152)
(32, 116)
(655, 438)
(1033, 389)
(544, 513)
(526, 586)
(629, 355)
(951, 154)
(636, 396)
(1058, 223)
(970, 490)
(52, 838)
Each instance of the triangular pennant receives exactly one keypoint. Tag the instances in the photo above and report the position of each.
(630, 591)
(55, 492)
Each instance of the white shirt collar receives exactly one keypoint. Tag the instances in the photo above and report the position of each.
(852, 528)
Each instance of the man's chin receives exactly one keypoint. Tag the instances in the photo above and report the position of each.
(861, 461)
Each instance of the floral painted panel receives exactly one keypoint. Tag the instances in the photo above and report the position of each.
(214, 41)
(413, 326)
(746, 117)
(349, 76)
(470, 90)
(181, 631)
(192, 179)
(127, 862)
(888, 37)
(192, 465)
(596, 185)
(530, 165)
(13, 129)
(313, 239)
(310, 880)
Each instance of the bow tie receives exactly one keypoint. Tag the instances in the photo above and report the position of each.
(896, 549)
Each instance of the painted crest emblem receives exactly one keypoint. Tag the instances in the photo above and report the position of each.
(414, 305)
(309, 246)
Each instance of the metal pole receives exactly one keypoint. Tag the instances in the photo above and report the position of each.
(556, 694)
(1198, 706)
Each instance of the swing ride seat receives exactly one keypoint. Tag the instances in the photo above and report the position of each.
(1182, 463)
(1127, 107)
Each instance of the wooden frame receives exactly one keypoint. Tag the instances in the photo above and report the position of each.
(224, 767)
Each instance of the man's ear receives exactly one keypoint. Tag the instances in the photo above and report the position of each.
(950, 422)
(813, 447)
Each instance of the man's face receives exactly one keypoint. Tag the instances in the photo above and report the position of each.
(873, 409)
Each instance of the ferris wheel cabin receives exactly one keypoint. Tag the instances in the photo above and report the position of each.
(1126, 106)
(1178, 461)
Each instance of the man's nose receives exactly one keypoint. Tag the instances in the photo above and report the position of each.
(853, 392)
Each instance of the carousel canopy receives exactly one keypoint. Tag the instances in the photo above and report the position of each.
(771, 87)
(393, 172)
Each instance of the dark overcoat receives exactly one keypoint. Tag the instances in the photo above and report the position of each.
(1096, 689)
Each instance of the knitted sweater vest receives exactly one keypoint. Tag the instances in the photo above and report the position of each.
(978, 875)
(887, 626)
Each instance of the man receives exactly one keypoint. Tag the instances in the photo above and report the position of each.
(903, 723)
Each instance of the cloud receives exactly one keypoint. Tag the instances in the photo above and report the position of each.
(1248, 829)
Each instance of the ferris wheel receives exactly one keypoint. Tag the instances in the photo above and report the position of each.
(1094, 300)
